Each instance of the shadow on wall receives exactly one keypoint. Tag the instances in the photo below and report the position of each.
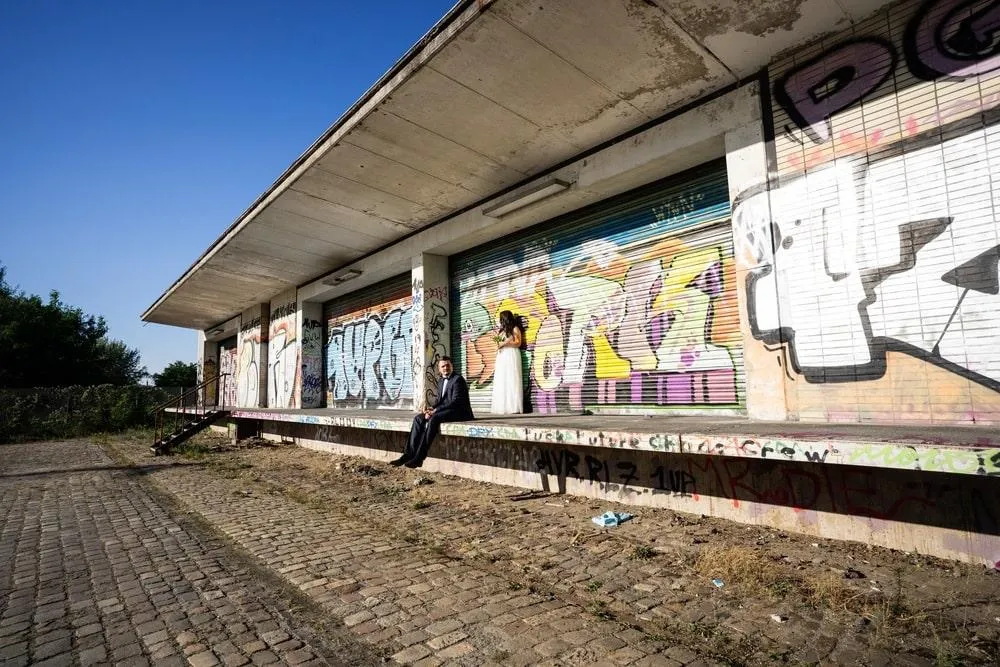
(836, 501)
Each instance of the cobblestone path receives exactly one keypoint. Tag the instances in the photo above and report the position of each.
(95, 568)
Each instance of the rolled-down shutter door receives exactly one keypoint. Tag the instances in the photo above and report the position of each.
(629, 305)
(369, 334)
(227, 366)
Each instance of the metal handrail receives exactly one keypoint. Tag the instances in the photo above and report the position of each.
(161, 409)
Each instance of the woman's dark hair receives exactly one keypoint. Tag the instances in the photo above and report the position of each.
(508, 322)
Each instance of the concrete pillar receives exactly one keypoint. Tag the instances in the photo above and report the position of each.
(431, 330)
(747, 167)
(311, 383)
(208, 367)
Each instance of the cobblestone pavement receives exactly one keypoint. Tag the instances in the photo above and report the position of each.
(438, 570)
(95, 568)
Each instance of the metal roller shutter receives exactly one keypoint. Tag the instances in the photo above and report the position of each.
(629, 305)
(227, 364)
(368, 347)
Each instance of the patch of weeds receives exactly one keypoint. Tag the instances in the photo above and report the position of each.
(897, 605)
(739, 653)
(422, 504)
(302, 498)
(945, 656)
(642, 552)
(546, 565)
(781, 588)
(594, 586)
(599, 608)
(101, 438)
(744, 569)
(829, 590)
(514, 586)
(194, 451)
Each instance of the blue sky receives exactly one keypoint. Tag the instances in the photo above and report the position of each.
(133, 133)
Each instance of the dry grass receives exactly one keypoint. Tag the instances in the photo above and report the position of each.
(830, 590)
(746, 570)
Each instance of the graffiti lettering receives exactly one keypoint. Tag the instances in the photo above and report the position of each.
(283, 356)
(812, 92)
(944, 38)
(369, 360)
(629, 325)
(835, 251)
(312, 363)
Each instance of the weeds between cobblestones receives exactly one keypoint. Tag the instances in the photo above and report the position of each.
(640, 592)
(96, 567)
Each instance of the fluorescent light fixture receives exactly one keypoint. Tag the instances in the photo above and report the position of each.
(525, 197)
(341, 276)
(216, 332)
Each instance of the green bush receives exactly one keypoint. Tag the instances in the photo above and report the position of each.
(70, 412)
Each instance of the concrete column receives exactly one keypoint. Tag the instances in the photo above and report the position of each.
(431, 330)
(208, 367)
(747, 167)
(310, 388)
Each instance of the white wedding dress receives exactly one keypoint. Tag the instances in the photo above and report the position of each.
(507, 388)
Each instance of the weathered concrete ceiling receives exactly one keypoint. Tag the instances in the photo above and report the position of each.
(497, 92)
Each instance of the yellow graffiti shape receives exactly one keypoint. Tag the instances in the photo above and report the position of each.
(531, 307)
(684, 347)
(548, 354)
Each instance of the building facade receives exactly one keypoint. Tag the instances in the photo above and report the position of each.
(786, 215)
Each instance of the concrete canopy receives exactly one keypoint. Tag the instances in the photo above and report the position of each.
(496, 93)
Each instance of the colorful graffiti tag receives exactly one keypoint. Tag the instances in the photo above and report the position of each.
(283, 356)
(635, 318)
(227, 368)
(312, 363)
(369, 357)
(877, 237)
(247, 369)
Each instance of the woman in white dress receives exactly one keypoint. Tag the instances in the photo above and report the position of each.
(507, 390)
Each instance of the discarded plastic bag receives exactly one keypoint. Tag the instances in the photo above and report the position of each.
(611, 519)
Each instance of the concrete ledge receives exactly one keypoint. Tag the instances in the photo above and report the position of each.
(801, 443)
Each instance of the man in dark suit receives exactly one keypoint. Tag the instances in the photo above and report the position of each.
(452, 406)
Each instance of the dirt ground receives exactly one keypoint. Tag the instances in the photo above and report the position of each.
(734, 594)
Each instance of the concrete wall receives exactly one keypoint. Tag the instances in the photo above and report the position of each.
(871, 260)
(947, 515)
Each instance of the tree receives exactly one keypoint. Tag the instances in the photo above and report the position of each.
(177, 374)
(50, 344)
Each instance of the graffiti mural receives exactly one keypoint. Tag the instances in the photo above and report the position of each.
(283, 354)
(369, 357)
(623, 316)
(247, 369)
(227, 366)
(209, 369)
(312, 363)
(877, 236)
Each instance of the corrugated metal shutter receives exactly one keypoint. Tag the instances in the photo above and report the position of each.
(880, 280)
(227, 364)
(629, 305)
(369, 335)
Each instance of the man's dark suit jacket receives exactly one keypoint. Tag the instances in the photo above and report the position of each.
(453, 403)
